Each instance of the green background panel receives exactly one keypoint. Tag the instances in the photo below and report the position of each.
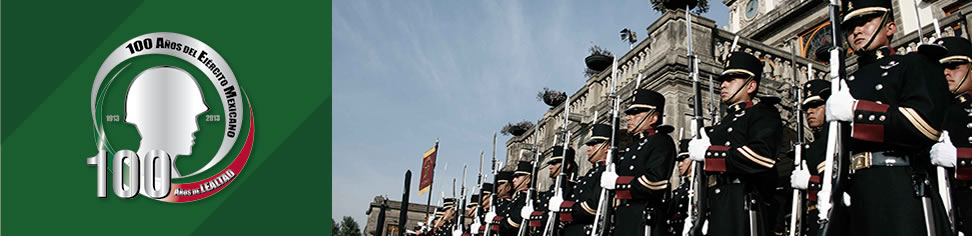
(280, 53)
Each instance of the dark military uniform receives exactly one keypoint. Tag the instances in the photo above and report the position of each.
(581, 201)
(513, 221)
(447, 227)
(739, 163)
(901, 104)
(486, 195)
(539, 217)
(676, 210)
(502, 204)
(958, 123)
(642, 186)
(817, 92)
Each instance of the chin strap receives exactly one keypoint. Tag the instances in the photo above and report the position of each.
(740, 88)
(884, 20)
(642, 122)
(967, 70)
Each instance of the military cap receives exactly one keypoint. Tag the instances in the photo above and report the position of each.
(599, 133)
(682, 149)
(448, 202)
(959, 50)
(523, 168)
(816, 93)
(503, 176)
(558, 155)
(866, 8)
(487, 188)
(473, 200)
(742, 65)
(646, 100)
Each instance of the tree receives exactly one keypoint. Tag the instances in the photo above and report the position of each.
(349, 227)
(334, 227)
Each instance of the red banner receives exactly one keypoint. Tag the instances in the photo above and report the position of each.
(428, 170)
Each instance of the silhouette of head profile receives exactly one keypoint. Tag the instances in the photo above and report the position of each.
(163, 103)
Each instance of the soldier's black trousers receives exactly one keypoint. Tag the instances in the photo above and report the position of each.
(576, 230)
(962, 201)
(883, 202)
(630, 220)
(727, 214)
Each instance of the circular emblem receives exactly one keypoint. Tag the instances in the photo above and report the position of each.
(170, 94)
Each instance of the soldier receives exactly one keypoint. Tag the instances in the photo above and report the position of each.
(479, 226)
(896, 108)
(817, 92)
(641, 180)
(740, 155)
(956, 146)
(577, 212)
(443, 226)
(556, 163)
(676, 213)
(502, 201)
(518, 208)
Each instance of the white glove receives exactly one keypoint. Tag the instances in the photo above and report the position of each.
(840, 105)
(457, 232)
(697, 147)
(609, 178)
(489, 216)
(474, 228)
(525, 211)
(800, 179)
(554, 204)
(687, 227)
(944, 153)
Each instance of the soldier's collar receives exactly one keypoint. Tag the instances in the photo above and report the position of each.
(741, 106)
(599, 164)
(964, 97)
(869, 57)
(645, 134)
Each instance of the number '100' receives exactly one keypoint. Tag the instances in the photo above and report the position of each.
(144, 176)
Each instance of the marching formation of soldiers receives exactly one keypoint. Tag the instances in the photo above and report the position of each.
(889, 153)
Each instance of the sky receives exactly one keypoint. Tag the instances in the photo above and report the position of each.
(408, 72)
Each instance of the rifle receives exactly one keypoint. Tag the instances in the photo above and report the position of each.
(603, 216)
(479, 186)
(533, 183)
(796, 210)
(697, 191)
(461, 207)
(712, 104)
(548, 229)
(944, 187)
(492, 195)
(834, 154)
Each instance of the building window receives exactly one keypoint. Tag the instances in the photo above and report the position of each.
(818, 36)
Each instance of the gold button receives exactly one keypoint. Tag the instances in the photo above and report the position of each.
(871, 117)
(881, 118)
(879, 87)
(860, 116)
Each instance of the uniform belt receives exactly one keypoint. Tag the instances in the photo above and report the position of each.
(866, 160)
